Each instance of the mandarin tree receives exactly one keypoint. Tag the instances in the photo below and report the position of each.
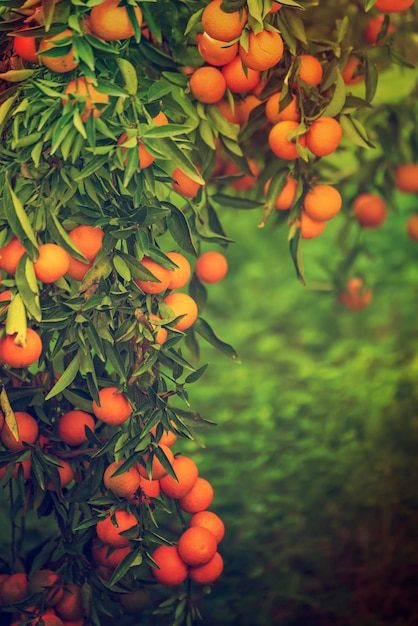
(127, 130)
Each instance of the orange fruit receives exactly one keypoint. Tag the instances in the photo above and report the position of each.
(352, 72)
(183, 184)
(406, 177)
(310, 228)
(110, 534)
(373, 28)
(65, 473)
(62, 64)
(211, 267)
(10, 255)
(211, 521)
(287, 196)
(111, 22)
(209, 572)
(179, 277)
(47, 582)
(393, 6)
(412, 227)
(71, 427)
(160, 332)
(215, 52)
(310, 69)
(168, 438)
(161, 273)
(88, 240)
(149, 488)
(145, 158)
(172, 569)
(245, 106)
(157, 468)
(207, 84)
(186, 472)
(355, 296)
(246, 181)
(324, 136)
(5, 296)
(369, 210)
(280, 143)
(323, 202)
(265, 49)
(70, 607)
(14, 588)
(198, 498)
(222, 25)
(52, 263)
(237, 79)
(103, 554)
(225, 109)
(16, 355)
(275, 113)
(196, 545)
(182, 305)
(82, 88)
(123, 485)
(114, 407)
(25, 47)
(26, 466)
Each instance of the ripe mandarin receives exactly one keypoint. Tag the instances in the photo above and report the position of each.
(161, 273)
(71, 427)
(110, 534)
(209, 572)
(369, 210)
(114, 408)
(283, 141)
(211, 267)
(64, 63)
(265, 49)
(323, 202)
(186, 472)
(172, 570)
(16, 355)
(196, 545)
(111, 22)
(182, 305)
(222, 25)
(324, 136)
(198, 498)
(52, 263)
(211, 521)
(207, 84)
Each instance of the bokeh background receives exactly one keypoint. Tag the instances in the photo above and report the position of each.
(314, 459)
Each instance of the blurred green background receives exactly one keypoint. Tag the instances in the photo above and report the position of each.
(314, 459)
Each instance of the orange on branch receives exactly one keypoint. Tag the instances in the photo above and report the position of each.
(281, 141)
(310, 228)
(113, 408)
(275, 113)
(52, 263)
(239, 80)
(393, 6)
(111, 22)
(215, 52)
(183, 184)
(352, 73)
(211, 267)
(25, 47)
(323, 202)
(20, 354)
(374, 27)
(198, 498)
(197, 545)
(211, 521)
(71, 427)
(207, 84)
(172, 570)
(355, 296)
(310, 69)
(109, 533)
(369, 210)
(10, 255)
(162, 274)
(161, 333)
(182, 305)
(84, 89)
(324, 136)
(179, 276)
(265, 49)
(186, 472)
(70, 607)
(287, 196)
(222, 25)
(406, 177)
(123, 485)
(157, 468)
(60, 64)
(209, 572)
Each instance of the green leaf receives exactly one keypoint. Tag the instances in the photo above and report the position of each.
(337, 101)
(194, 376)
(17, 76)
(20, 214)
(205, 331)
(132, 559)
(66, 378)
(372, 77)
(355, 132)
(28, 287)
(296, 255)
(180, 229)
(129, 76)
